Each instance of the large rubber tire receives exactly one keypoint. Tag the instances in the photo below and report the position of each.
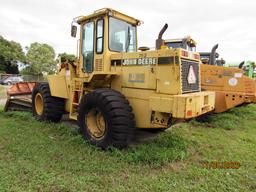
(52, 108)
(117, 114)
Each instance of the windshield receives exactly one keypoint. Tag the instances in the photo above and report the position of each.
(193, 49)
(122, 36)
(180, 45)
(174, 45)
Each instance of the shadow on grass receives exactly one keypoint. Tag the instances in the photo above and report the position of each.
(165, 147)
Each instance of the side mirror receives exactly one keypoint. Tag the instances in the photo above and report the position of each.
(73, 30)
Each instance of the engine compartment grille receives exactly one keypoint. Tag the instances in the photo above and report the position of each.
(187, 86)
(98, 65)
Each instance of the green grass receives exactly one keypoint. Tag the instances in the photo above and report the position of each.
(38, 156)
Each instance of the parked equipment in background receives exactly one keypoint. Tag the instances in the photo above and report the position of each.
(211, 58)
(19, 96)
(114, 88)
(10, 80)
(249, 68)
(231, 86)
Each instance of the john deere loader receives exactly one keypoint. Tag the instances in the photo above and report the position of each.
(115, 87)
(231, 86)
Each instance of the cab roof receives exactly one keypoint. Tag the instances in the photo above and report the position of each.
(109, 11)
(187, 39)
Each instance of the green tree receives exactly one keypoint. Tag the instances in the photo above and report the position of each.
(65, 57)
(10, 54)
(40, 59)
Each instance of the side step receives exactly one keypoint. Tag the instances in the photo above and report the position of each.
(76, 96)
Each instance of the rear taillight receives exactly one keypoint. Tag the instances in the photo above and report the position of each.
(184, 53)
(196, 56)
(189, 113)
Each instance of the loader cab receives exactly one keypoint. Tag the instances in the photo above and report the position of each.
(103, 33)
(186, 43)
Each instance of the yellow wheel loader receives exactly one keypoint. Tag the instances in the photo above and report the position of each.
(231, 86)
(115, 86)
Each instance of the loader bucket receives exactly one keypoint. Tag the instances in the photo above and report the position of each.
(19, 96)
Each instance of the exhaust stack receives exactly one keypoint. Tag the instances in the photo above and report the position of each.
(160, 41)
(213, 55)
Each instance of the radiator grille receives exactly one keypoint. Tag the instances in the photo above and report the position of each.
(98, 65)
(185, 67)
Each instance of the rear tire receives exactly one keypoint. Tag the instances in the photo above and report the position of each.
(44, 106)
(105, 119)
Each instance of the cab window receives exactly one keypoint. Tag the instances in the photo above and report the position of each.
(99, 37)
(87, 48)
(122, 36)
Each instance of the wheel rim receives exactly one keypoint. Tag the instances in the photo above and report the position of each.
(39, 104)
(96, 124)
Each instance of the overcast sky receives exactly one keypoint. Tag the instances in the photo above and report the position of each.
(231, 23)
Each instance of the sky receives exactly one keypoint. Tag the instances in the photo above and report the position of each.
(230, 23)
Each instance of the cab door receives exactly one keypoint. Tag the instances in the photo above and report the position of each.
(99, 45)
(93, 45)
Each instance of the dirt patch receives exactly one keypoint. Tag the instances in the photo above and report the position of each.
(2, 101)
(3, 95)
(3, 90)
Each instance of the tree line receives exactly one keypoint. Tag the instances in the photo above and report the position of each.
(39, 58)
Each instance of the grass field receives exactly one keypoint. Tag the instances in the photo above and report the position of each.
(38, 156)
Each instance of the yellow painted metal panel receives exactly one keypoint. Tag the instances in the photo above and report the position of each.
(168, 79)
(139, 100)
(58, 86)
(139, 77)
(183, 106)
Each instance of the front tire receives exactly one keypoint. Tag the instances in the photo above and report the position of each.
(105, 119)
(44, 106)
